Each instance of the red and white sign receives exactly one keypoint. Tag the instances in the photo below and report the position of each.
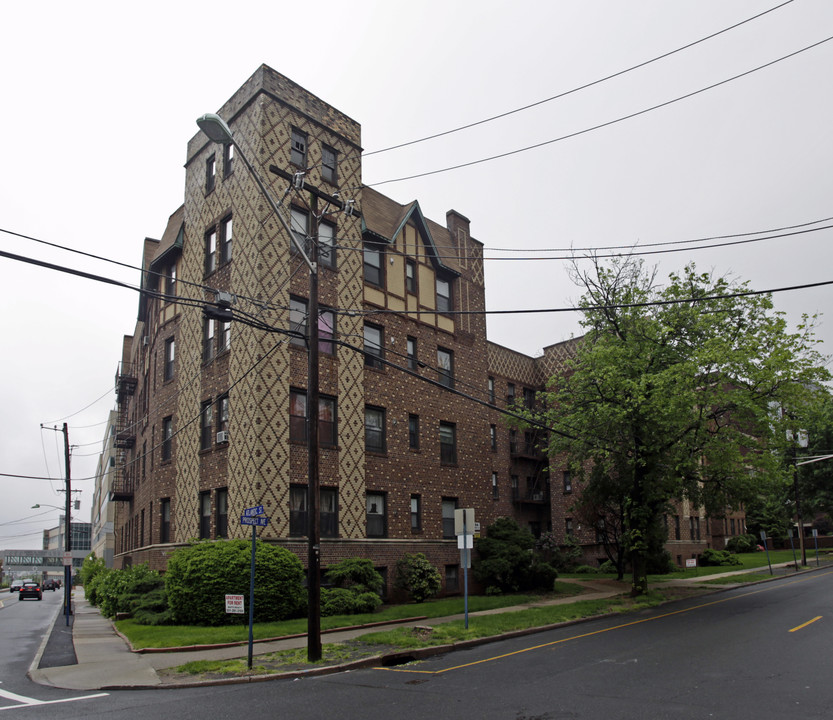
(234, 604)
(67, 559)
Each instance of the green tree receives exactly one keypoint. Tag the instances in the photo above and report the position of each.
(669, 395)
(417, 576)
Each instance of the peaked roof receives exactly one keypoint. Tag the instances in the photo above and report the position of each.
(384, 219)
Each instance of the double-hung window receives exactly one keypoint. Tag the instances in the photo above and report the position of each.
(228, 159)
(410, 276)
(326, 245)
(411, 350)
(210, 251)
(205, 515)
(298, 148)
(221, 522)
(329, 164)
(374, 429)
(226, 225)
(445, 367)
(373, 265)
(448, 443)
(170, 357)
(327, 420)
(207, 338)
(443, 295)
(376, 515)
(210, 173)
(206, 425)
(299, 224)
(373, 346)
(413, 432)
(167, 437)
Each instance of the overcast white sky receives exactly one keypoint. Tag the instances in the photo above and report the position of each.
(99, 100)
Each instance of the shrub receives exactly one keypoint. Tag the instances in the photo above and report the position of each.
(356, 574)
(586, 570)
(718, 558)
(152, 609)
(660, 563)
(742, 543)
(340, 601)
(201, 575)
(116, 591)
(417, 576)
(504, 556)
(540, 576)
(607, 567)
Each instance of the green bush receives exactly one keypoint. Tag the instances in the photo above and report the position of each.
(607, 567)
(356, 574)
(716, 558)
(341, 601)
(742, 543)
(540, 576)
(201, 575)
(586, 570)
(504, 556)
(116, 591)
(152, 608)
(417, 576)
(660, 563)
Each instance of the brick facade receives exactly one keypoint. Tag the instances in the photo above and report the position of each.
(416, 263)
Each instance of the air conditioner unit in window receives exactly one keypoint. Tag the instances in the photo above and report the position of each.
(538, 496)
(145, 340)
(222, 436)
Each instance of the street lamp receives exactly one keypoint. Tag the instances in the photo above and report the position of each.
(219, 132)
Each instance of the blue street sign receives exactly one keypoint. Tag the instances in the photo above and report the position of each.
(252, 511)
(259, 521)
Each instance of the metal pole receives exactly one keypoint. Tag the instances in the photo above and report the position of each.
(314, 489)
(252, 598)
(466, 569)
(792, 546)
(68, 523)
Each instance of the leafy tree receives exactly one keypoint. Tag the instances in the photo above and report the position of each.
(417, 576)
(507, 561)
(669, 395)
(356, 574)
(199, 577)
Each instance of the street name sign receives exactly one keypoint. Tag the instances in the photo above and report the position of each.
(259, 521)
(252, 511)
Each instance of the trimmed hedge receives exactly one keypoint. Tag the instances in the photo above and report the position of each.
(201, 575)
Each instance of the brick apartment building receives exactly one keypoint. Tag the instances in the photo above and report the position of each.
(211, 414)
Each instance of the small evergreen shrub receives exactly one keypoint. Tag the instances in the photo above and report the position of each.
(607, 567)
(586, 570)
(417, 576)
(746, 543)
(714, 558)
(356, 574)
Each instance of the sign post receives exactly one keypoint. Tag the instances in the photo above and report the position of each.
(250, 517)
(463, 527)
(766, 547)
(816, 541)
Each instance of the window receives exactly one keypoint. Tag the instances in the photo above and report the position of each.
(165, 520)
(510, 393)
(568, 527)
(529, 398)
(491, 388)
(206, 426)
(210, 173)
(329, 164)
(448, 443)
(225, 239)
(449, 505)
(374, 429)
(221, 500)
(167, 437)
(224, 336)
(413, 432)
(452, 578)
(495, 490)
(513, 442)
(697, 527)
(328, 512)
(493, 437)
(568, 483)
(297, 510)
(410, 276)
(676, 527)
(731, 525)
(210, 251)
(327, 435)
(170, 356)
(416, 512)
(228, 159)
(298, 325)
(298, 148)
(169, 277)
(205, 515)
(373, 346)
(326, 245)
(376, 515)
(601, 529)
(373, 267)
(443, 295)
(445, 367)
(299, 222)
(207, 338)
(411, 350)
(298, 321)
(326, 331)
(222, 413)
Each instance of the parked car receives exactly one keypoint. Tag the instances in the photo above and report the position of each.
(29, 590)
(50, 585)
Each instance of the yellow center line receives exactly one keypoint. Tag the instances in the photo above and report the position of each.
(604, 630)
(804, 625)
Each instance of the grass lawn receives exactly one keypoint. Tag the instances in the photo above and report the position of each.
(147, 636)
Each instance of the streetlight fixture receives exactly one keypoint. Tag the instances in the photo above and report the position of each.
(218, 131)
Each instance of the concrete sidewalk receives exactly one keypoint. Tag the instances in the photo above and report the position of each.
(105, 660)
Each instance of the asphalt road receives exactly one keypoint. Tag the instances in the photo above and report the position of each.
(759, 652)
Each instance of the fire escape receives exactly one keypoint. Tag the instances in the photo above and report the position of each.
(121, 489)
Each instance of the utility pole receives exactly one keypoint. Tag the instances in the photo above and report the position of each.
(68, 540)
(313, 479)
